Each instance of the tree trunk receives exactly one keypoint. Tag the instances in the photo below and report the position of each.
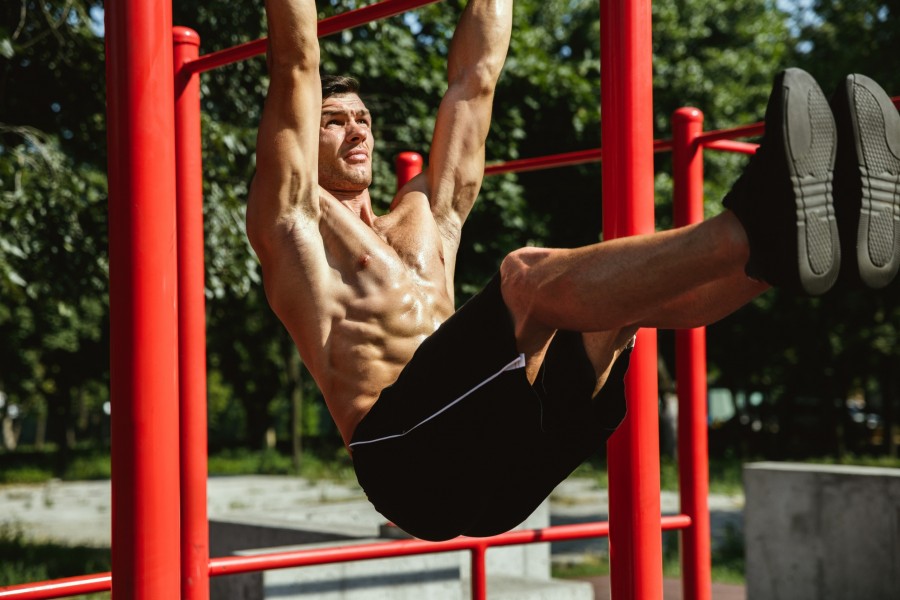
(40, 430)
(11, 430)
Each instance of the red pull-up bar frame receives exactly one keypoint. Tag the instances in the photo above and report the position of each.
(686, 147)
(151, 300)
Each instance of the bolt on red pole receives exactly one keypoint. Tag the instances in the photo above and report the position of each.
(690, 373)
(191, 320)
(143, 297)
(627, 136)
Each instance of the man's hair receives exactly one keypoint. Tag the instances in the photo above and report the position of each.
(335, 85)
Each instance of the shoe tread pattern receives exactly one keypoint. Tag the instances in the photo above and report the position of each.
(879, 225)
(815, 190)
(812, 143)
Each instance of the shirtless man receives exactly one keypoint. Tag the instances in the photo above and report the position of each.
(463, 422)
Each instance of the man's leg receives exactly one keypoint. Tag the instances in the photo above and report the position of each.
(683, 277)
(780, 228)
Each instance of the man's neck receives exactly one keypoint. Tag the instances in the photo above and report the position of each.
(358, 201)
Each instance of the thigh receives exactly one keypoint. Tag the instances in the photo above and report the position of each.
(575, 425)
(436, 480)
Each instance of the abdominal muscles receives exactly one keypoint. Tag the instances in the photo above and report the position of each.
(387, 314)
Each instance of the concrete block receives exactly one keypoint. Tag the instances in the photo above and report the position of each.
(400, 578)
(500, 587)
(821, 532)
(438, 576)
(531, 561)
(228, 537)
(421, 577)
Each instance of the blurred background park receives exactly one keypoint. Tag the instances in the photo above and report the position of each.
(790, 378)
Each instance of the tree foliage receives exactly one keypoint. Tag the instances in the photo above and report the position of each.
(718, 56)
(53, 260)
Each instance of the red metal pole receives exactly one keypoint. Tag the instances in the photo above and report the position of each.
(191, 321)
(143, 290)
(232, 565)
(331, 25)
(627, 136)
(408, 164)
(690, 373)
(59, 588)
(479, 572)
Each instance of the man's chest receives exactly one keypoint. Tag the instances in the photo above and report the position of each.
(411, 233)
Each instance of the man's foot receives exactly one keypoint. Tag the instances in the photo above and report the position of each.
(867, 182)
(784, 197)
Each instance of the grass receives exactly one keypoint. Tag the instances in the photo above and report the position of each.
(27, 561)
(889, 462)
(725, 475)
(337, 468)
(727, 561)
(31, 466)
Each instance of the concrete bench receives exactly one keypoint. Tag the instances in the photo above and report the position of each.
(821, 532)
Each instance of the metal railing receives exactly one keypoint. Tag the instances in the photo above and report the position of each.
(144, 133)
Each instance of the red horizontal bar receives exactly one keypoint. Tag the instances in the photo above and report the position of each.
(754, 130)
(102, 582)
(732, 146)
(717, 140)
(544, 162)
(299, 558)
(329, 26)
(720, 139)
(59, 588)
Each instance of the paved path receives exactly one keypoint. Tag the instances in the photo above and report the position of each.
(79, 512)
(672, 589)
(581, 500)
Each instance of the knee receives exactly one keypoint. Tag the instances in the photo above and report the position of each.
(521, 279)
(518, 270)
(519, 264)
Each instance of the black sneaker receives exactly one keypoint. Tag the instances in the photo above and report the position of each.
(783, 198)
(867, 182)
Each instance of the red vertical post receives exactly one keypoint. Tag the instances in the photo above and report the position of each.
(690, 373)
(627, 136)
(479, 572)
(143, 296)
(409, 164)
(191, 321)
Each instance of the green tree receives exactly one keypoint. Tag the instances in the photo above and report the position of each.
(845, 343)
(53, 261)
(718, 56)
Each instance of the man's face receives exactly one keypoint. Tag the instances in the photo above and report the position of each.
(345, 144)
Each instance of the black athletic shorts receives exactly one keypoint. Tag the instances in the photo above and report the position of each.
(462, 444)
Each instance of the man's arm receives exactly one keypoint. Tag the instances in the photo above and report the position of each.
(283, 211)
(284, 192)
(456, 162)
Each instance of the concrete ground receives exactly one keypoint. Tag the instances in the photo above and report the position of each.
(672, 590)
(79, 513)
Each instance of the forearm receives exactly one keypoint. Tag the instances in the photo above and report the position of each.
(293, 39)
(481, 41)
